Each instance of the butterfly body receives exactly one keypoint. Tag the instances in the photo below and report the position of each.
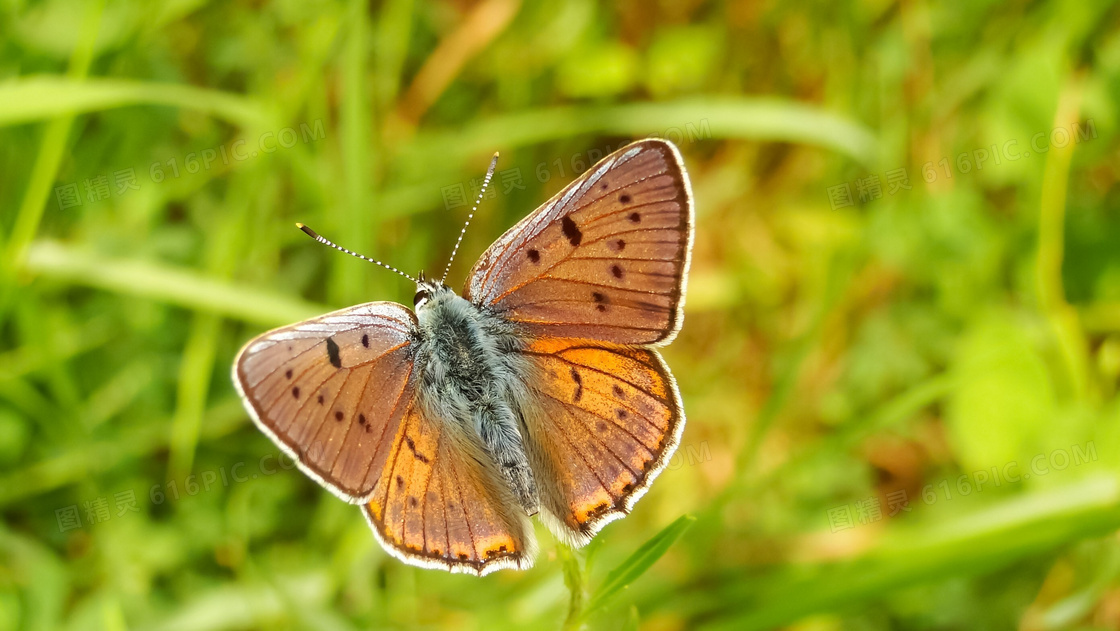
(470, 372)
(538, 391)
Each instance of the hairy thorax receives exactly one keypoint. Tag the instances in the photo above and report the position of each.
(468, 375)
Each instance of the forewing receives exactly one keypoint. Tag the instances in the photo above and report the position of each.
(439, 503)
(606, 423)
(605, 259)
(331, 391)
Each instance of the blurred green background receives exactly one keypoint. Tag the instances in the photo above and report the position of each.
(901, 353)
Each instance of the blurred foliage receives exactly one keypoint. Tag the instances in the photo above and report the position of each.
(952, 338)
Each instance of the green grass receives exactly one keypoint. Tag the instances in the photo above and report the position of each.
(926, 340)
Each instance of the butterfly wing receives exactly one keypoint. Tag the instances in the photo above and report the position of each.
(441, 503)
(336, 394)
(331, 392)
(605, 259)
(606, 424)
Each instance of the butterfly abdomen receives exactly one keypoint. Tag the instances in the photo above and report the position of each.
(468, 375)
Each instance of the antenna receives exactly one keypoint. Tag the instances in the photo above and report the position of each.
(315, 235)
(485, 183)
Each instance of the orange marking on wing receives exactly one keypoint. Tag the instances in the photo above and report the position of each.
(608, 415)
(407, 480)
(628, 369)
(589, 507)
(431, 503)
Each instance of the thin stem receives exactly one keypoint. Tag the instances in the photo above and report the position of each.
(573, 579)
(1062, 318)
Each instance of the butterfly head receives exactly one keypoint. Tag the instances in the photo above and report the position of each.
(426, 290)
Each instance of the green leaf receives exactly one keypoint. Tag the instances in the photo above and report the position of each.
(981, 541)
(165, 283)
(684, 122)
(1003, 408)
(622, 576)
(600, 70)
(45, 97)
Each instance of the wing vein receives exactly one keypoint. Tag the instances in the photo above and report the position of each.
(326, 421)
(351, 424)
(466, 518)
(388, 422)
(629, 407)
(582, 457)
(424, 497)
(554, 209)
(602, 372)
(601, 442)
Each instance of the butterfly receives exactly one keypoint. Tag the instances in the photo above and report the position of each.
(538, 391)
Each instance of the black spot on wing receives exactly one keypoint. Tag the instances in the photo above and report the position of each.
(332, 353)
(412, 447)
(600, 300)
(534, 256)
(365, 340)
(579, 385)
(571, 230)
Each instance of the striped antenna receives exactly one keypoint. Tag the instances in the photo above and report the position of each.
(315, 235)
(459, 241)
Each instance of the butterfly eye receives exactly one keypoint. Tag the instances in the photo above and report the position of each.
(420, 295)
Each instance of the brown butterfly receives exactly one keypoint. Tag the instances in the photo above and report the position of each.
(537, 392)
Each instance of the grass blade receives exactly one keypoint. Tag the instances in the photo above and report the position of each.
(690, 119)
(47, 161)
(626, 573)
(165, 283)
(349, 278)
(975, 543)
(45, 97)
